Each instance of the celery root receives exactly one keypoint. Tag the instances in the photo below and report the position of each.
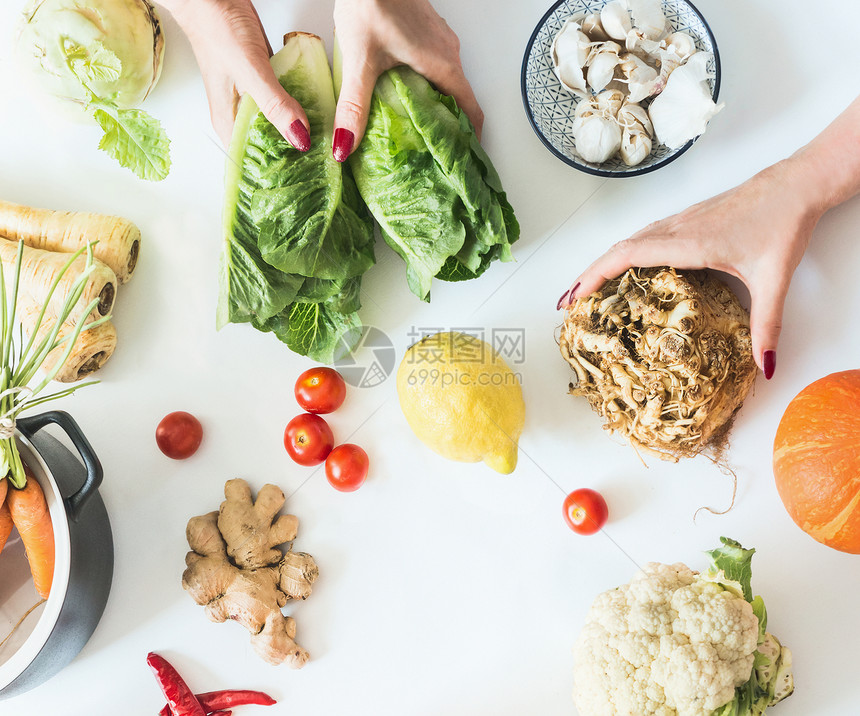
(664, 357)
(39, 270)
(66, 231)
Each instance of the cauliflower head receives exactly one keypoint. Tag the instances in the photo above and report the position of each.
(674, 642)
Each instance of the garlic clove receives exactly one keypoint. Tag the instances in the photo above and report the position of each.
(602, 63)
(648, 17)
(615, 20)
(598, 139)
(635, 147)
(682, 111)
(608, 102)
(681, 44)
(643, 47)
(639, 76)
(569, 53)
(602, 70)
(592, 27)
(634, 116)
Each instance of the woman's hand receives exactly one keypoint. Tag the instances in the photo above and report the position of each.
(233, 54)
(757, 232)
(376, 35)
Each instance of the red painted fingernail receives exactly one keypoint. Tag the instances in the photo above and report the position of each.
(342, 145)
(573, 292)
(769, 363)
(301, 140)
(561, 300)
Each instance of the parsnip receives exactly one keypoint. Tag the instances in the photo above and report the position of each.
(40, 268)
(66, 231)
(92, 350)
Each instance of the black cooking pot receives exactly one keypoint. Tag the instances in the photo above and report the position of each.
(84, 553)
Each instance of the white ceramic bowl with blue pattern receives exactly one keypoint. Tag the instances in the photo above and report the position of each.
(550, 106)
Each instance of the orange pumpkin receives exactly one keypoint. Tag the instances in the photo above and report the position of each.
(816, 460)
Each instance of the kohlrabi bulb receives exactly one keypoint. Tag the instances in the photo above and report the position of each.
(117, 45)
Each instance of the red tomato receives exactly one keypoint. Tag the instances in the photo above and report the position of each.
(585, 511)
(346, 467)
(308, 439)
(178, 435)
(320, 390)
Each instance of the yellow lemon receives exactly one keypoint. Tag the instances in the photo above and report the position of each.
(462, 400)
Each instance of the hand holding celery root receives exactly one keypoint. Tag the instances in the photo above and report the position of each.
(757, 231)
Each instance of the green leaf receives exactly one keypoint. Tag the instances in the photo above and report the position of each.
(761, 614)
(135, 139)
(430, 185)
(315, 330)
(734, 562)
(94, 63)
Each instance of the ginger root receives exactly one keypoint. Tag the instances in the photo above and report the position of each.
(237, 572)
(664, 357)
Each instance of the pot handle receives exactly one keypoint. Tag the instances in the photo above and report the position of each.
(31, 425)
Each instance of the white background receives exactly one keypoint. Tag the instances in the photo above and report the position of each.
(444, 588)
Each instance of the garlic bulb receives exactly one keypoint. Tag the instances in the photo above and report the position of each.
(682, 111)
(615, 20)
(596, 132)
(648, 17)
(602, 63)
(569, 53)
(598, 138)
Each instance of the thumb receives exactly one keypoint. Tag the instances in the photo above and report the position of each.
(353, 106)
(765, 326)
(281, 109)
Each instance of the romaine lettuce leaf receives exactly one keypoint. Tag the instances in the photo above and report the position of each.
(298, 236)
(429, 184)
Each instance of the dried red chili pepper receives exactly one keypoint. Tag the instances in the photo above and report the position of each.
(212, 701)
(180, 699)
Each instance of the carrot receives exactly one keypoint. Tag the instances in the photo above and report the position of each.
(40, 268)
(6, 524)
(66, 231)
(30, 515)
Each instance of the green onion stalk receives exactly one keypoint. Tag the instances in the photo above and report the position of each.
(20, 361)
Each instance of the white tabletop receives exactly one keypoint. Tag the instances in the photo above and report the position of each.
(444, 588)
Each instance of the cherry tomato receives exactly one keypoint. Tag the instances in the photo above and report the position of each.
(585, 511)
(178, 435)
(346, 467)
(308, 439)
(320, 390)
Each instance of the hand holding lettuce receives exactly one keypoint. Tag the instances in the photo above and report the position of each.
(298, 236)
(298, 232)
